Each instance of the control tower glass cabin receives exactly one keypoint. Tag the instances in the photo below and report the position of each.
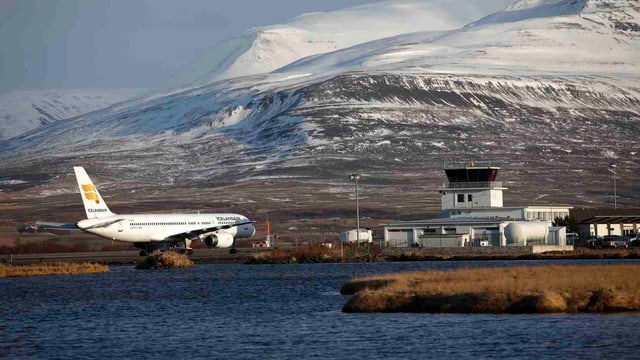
(470, 187)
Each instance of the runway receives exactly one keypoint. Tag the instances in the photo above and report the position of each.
(126, 257)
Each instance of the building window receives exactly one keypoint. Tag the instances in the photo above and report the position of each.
(460, 198)
(469, 198)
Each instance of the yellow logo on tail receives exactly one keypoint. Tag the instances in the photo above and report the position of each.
(90, 193)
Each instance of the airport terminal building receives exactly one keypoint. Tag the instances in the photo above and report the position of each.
(473, 215)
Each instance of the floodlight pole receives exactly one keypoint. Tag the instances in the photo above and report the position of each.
(615, 195)
(356, 177)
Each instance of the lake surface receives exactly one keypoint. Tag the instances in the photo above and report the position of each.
(277, 312)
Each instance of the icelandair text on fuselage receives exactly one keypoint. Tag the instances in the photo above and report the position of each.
(227, 220)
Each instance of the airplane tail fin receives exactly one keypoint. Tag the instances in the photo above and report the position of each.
(94, 205)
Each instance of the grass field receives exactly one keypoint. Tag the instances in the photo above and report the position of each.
(51, 269)
(535, 289)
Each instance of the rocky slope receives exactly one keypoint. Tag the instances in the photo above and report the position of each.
(553, 98)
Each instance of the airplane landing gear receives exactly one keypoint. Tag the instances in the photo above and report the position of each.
(187, 247)
(146, 249)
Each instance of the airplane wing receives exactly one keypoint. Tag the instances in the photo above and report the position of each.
(195, 233)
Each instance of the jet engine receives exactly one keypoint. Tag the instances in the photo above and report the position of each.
(219, 240)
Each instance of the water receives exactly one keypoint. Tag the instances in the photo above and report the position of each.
(275, 311)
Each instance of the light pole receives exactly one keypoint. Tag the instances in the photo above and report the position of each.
(356, 177)
(612, 168)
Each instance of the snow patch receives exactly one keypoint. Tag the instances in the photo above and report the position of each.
(609, 154)
(11, 182)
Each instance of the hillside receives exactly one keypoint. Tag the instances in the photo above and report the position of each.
(25, 110)
(552, 98)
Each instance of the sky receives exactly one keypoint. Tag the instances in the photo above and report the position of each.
(102, 44)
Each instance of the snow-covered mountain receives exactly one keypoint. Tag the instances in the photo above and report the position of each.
(25, 110)
(554, 97)
(529, 9)
(264, 49)
(599, 40)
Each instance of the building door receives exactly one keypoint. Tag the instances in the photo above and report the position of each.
(400, 238)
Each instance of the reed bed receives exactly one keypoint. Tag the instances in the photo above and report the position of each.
(311, 254)
(535, 289)
(51, 269)
(165, 260)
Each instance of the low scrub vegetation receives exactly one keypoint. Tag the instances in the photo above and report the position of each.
(165, 260)
(535, 289)
(315, 254)
(51, 269)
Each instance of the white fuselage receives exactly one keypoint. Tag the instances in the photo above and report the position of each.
(160, 227)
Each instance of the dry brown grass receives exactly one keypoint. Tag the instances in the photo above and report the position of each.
(307, 254)
(509, 289)
(165, 260)
(51, 269)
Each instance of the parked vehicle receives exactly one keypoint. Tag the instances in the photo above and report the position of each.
(614, 241)
(632, 237)
(593, 242)
(633, 240)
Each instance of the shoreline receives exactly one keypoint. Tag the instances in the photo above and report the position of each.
(403, 255)
(310, 256)
(508, 290)
(45, 269)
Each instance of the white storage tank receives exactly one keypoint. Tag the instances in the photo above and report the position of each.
(526, 232)
(366, 236)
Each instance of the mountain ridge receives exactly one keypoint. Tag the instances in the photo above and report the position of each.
(539, 94)
(25, 110)
(267, 48)
(526, 9)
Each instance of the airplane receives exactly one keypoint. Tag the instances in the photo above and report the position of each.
(150, 232)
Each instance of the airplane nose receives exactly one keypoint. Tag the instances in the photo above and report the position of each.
(247, 231)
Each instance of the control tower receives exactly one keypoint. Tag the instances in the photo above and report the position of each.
(470, 187)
